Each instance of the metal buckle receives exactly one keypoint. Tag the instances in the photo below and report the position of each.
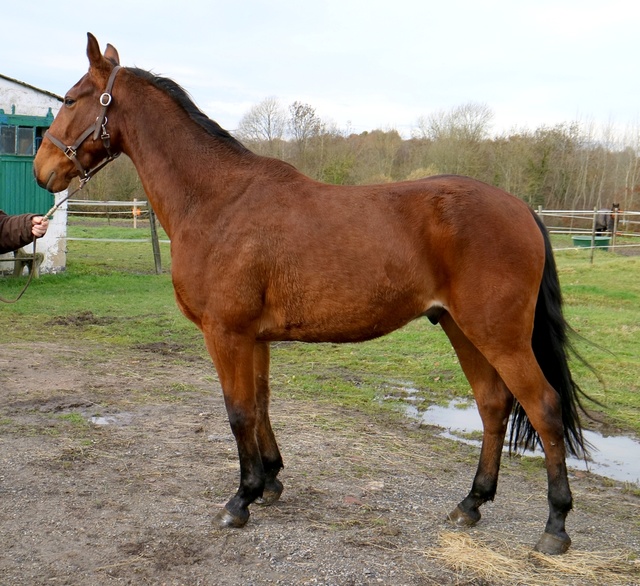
(70, 152)
(105, 99)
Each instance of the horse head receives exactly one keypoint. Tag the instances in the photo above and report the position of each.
(78, 143)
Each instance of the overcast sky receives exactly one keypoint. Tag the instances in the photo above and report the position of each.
(362, 64)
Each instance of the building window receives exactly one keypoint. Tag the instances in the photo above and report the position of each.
(25, 141)
(7, 139)
(17, 140)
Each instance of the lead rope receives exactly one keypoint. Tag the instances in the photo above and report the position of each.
(33, 266)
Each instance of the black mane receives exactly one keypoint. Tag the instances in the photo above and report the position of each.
(182, 98)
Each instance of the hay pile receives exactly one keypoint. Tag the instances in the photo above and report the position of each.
(508, 564)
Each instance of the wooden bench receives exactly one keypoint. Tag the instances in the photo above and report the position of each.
(26, 259)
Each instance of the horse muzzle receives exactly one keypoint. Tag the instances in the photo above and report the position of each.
(49, 177)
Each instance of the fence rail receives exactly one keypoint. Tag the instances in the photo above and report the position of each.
(624, 222)
(135, 210)
(620, 231)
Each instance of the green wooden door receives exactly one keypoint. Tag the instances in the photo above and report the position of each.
(19, 192)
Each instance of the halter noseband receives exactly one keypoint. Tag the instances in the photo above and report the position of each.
(98, 129)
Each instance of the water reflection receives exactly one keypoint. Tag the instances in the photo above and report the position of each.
(616, 457)
(117, 419)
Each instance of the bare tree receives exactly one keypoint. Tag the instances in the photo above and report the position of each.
(630, 169)
(456, 138)
(263, 127)
(469, 122)
(304, 124)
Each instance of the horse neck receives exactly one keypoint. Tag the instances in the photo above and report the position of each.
(184, 170)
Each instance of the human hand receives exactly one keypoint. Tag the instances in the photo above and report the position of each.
(39, 225)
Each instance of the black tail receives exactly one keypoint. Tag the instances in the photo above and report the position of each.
(552, 347)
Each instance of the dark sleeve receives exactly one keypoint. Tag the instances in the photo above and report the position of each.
(15, 231)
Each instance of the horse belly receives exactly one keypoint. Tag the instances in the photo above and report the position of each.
(348, 315)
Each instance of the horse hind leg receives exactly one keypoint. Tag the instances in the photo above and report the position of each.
(494, 403)
(517, 366)
(271, 458)
(541, 404)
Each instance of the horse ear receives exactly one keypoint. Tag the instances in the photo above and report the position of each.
(112, 54)
(93, 51)
(99, 64)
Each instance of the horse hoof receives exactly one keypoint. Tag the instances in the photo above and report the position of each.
(553, 544)
(225, 519)
(462, 519)
(270, 495)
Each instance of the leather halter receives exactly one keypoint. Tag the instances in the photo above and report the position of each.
(98, 129)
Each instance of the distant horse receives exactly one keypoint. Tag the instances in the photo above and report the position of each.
(262, 253)
(605, 219)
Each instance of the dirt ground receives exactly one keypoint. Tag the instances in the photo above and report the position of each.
(128, 498)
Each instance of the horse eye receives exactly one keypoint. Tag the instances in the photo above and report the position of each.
(69, 102)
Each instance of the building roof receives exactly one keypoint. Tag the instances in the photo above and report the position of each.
(31, 87)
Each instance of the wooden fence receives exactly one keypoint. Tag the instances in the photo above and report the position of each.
(132, 209)
(581, 225)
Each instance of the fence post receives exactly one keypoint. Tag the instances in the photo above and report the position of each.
(593, 233)
(134, 212)
(154, 240)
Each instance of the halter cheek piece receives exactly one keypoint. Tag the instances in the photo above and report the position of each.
(98, 129)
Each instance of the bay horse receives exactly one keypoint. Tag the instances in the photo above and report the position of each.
(606, 219)
(262, 253)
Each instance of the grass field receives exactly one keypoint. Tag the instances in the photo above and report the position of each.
(115, 284)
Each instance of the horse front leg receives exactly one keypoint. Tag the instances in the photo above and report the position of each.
(233, 357)
(271, 458)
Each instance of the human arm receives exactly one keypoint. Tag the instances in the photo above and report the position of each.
(18, 231)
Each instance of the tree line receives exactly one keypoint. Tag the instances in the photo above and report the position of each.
(565, 166)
